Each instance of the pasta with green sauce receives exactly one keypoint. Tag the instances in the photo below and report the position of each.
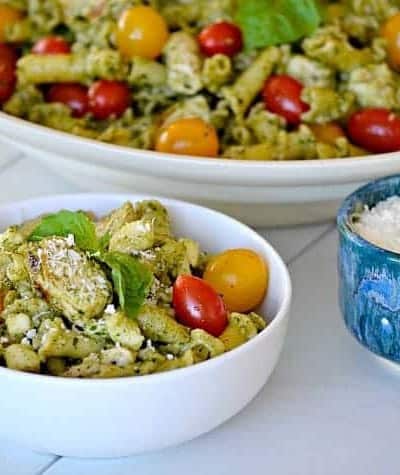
(170, 91)
(93, 298)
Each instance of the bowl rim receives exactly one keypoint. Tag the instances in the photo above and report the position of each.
(181, 160)
(343, 217)
(281, 314)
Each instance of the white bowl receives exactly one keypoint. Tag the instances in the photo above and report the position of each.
(259, 193)
(120, 417)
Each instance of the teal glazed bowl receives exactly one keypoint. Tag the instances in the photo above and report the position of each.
(369, 277)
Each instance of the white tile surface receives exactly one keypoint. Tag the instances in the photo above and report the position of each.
(291, 242)
(330, 407)
(28, 178)
(17, 461)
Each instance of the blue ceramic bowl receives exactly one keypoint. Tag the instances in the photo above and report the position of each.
(369, 277)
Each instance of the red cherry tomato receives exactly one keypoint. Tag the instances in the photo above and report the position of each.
(51, 45)
(376, 130)
(74, 96)
(8, 61)
(108, 99)
(221, 38)
(197, 305)
(282, 96)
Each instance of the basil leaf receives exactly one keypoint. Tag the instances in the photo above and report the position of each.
(132, 280)
(273, 22)
(65, 223)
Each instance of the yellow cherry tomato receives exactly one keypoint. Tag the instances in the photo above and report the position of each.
(391, 33)
(327, 133)
(141, 31)
(240, 276)
(8, 16)
(188, 137)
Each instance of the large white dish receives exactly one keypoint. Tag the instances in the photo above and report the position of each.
(259, 193)
(119, 417)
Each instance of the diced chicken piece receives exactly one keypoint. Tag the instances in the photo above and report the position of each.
(70, 282)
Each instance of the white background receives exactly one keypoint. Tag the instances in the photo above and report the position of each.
(329, 408)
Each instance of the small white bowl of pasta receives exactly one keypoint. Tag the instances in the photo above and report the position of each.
(125, 416)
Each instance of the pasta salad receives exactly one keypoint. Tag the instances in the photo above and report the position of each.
(239, 79)
(121, 296)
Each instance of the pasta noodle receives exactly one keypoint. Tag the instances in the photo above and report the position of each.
(45, 69)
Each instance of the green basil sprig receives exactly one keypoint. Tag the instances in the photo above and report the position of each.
(132, 280)
(274, 22)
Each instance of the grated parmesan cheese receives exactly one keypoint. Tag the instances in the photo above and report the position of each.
(30, 334)
(149, 344)
(110, 309)
(117, 356)
(70, 240)
(380, 225)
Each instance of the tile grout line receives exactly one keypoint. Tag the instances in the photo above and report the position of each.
(49, 465)
(310, 245)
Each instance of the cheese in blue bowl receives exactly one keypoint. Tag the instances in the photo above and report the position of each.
(369, 266)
